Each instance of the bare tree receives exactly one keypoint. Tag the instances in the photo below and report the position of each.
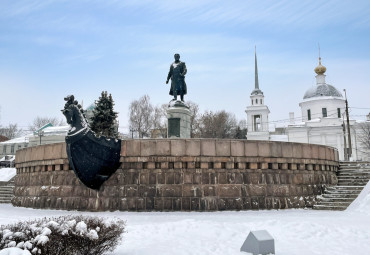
(194, 119)
(241, 130)
(364, 135)
(11, 131)
(39, 122)
(217, 125)
(160, 120)
(141, 116)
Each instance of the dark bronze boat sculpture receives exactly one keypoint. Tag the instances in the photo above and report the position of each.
(94, 159)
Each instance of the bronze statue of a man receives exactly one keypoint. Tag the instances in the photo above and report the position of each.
(177, 74)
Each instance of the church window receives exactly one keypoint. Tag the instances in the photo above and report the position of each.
(256, 122)
(260, 101)
(256, 101)
(324, 112)
(309, 114)
(339, 115)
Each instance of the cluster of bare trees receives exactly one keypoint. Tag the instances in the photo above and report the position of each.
(364, 135)
(220, 124)
(144, 117)
(39, 122)
(147, 120)
(11, 131)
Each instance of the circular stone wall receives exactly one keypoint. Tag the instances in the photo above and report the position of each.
(182, 175)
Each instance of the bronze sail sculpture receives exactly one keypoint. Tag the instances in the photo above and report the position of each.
(94, 159)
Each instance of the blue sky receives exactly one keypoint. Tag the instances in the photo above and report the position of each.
(50, 49)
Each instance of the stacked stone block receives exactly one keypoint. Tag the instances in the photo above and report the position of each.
(182, 175)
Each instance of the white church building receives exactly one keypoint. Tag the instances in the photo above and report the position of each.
(323, 115)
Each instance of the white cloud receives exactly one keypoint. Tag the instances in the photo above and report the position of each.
(9, 8)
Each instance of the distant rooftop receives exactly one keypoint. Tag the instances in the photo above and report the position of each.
(48, 131)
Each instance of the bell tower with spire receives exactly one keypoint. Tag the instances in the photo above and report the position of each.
(257, 112)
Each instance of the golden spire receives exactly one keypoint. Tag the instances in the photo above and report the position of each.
(320, 69)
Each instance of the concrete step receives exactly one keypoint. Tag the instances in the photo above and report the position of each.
(336, 200)
(355, 183)
(352, 178)
(351, 170)
(354, 167)
(5, 201)
(6, 187)
(6, 191)
(342, 203)
(344, 195)
(354, 163)
(365, 173)
(340, 195)
(333, 208)
(345, 187)
(6, 195)
(354, 175)
(343, 192)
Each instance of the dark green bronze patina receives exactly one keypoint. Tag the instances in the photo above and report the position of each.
(177, 74)
(93, 159)
(174, 127)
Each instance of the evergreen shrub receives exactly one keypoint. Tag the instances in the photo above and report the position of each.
(64, 235)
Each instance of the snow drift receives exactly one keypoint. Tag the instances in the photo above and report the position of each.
(362, 202)
(7, 173)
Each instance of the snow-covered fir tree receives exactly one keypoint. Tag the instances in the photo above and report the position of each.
(104, 119)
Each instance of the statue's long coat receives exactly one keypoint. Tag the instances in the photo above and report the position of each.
(177, 80)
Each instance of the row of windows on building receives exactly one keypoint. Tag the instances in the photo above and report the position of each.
(324, 113)
(12, 148)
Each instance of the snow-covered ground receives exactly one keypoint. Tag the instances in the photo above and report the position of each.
(296, 231)
(7, 173)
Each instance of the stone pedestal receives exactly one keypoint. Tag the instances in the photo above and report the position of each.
(178, 115)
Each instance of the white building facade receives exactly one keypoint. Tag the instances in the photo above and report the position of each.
(323, 120)
(49, 135)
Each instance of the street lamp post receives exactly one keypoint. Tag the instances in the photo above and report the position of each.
(41, 133)
(348, 128)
